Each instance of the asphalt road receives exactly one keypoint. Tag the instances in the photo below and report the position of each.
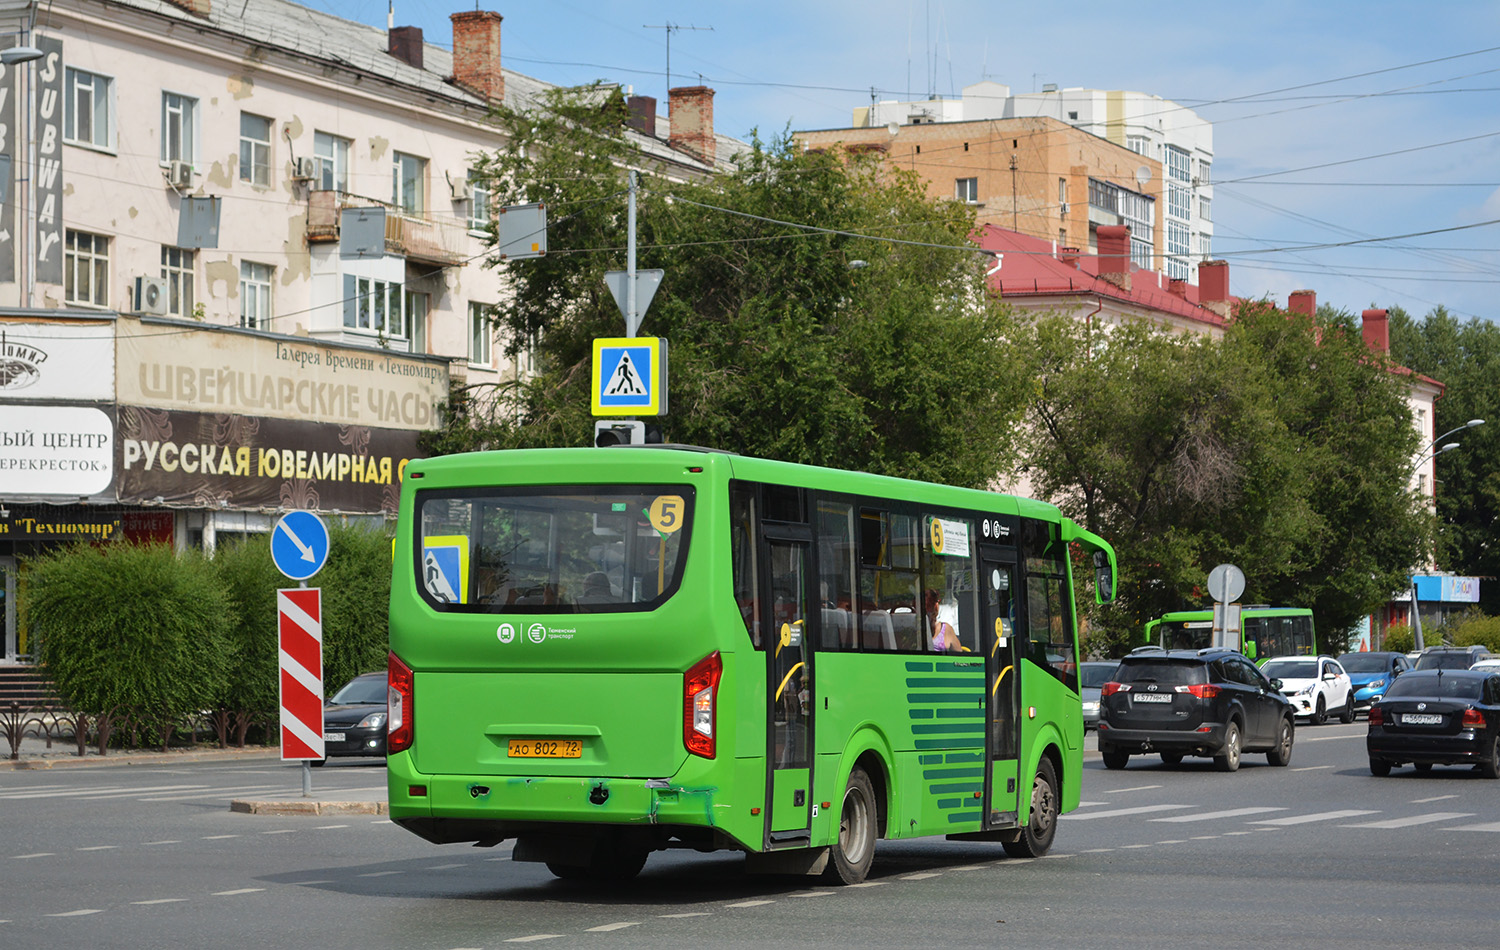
(1320, 854)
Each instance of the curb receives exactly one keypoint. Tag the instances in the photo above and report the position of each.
(68, 760)
(307, 807)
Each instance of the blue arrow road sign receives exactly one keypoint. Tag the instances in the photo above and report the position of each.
(299, 544)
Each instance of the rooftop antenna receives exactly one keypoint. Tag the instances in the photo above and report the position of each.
(671, 28)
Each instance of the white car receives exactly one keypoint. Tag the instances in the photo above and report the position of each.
(1316, 685)
(1487, 665)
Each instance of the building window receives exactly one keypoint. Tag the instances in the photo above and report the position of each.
(332, 154)
(255, 149)
(416, 320)
(1139, 144)
(177, 268)
(408, 183)
(178, 127)
(1206, 208)
(1178, 237)
(1177, 164)
(86, 269)
(1179, 201)
(479, 203)
(480, 333)
(967, 190)
(1205, 246)
(1136, 210)
(255, 295)
(375, 306)
(1203, 173)
(90, 109)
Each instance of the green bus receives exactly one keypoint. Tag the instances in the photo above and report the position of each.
(1266, 631)
(604, 652)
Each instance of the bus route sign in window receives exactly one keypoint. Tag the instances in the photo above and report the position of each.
(552, 550)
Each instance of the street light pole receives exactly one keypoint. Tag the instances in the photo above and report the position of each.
(1431, 453)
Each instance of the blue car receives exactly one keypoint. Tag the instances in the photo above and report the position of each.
(1372, 674)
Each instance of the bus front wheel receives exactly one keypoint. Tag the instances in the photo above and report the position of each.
(851, 855)
(1041, 825)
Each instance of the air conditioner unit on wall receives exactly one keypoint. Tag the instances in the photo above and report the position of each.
(460, 188)
(306, 170)
(151, 295)
(180, 175)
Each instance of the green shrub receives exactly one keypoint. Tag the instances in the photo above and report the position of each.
(251, 695)
(356, 586)
(132, 630)
(1478, 628)
(1399, 639)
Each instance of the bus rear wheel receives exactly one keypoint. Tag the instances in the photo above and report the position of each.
(1041, 825)
(851, 855)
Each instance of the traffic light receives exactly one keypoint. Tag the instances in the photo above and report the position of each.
(625, 432)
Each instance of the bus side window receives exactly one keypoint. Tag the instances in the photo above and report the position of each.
(742, 535)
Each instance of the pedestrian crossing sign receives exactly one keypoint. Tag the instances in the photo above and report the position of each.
(630, 376)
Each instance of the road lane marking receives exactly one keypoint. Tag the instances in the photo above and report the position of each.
(1228, 833)
(39, 854)
(444, 867)
(1088, 804)
(1414, 820)
(1205, 837)
(606, 928)
(168, 841)
(919, 876)
(812, 894)
(1097, 851)
(533, 937)
(77, 913)
(1487, 826)
(1311, 768)
(695, 913)
(161, 900)
(1174, 841)
(1359, 735)
(329, 827)
(1319, 816)
(1215, 815)
(869, 884)
(380, 874)
(1435, 798)
(1128, 846)
(218, 837)
(1118, 812)
(281, 831)
(1138, 788)
(750, 904)
(237, 891)
(98, 847)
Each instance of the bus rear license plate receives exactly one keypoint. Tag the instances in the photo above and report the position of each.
(1152, 697)
(1421, 719)
(546, 748)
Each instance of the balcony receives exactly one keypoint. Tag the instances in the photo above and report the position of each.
(415, 237)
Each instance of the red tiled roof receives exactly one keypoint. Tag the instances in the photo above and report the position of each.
(1030, 269)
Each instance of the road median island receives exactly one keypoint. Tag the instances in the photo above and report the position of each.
(309, 807)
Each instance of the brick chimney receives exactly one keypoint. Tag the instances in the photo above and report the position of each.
(1177, 287)
(405, 43)
(1069, 256)
(642, 114)
(198, 8)
(476, 53)
(691, 110)
(1213, 287)
(1114, 255)
(1376, 327)
(1304, 302)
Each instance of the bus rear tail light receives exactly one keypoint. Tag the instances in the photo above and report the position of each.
(399, 702)
(1473, 719)
(1201, 690)
(700, 696)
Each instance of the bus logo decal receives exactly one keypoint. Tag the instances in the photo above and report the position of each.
(505, 633)
(536, 633)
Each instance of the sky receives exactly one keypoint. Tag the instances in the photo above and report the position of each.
(1372, 126)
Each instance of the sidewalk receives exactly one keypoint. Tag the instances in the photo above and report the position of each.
(63, 755)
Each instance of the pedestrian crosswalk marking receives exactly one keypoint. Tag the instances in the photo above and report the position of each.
(1118, 812)
(1228, 813)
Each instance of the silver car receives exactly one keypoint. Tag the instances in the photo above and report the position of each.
(1091, 676)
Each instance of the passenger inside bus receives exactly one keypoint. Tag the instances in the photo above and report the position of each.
(942, 619)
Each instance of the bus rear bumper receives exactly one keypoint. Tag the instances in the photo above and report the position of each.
(489, 809)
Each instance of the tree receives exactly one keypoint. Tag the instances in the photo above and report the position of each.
(1465, 357)
(813, 346)
(1281, 448)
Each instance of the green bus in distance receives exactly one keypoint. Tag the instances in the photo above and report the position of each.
(604, 652)
(1266, 631)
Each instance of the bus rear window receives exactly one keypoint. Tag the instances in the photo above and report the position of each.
(552, 550)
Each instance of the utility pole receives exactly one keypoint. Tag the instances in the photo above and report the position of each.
(671, 28)
(1014, 212)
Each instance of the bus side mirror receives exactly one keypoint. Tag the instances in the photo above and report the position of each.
(1104, 579)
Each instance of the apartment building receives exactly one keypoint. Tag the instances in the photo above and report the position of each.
(1057, 165)
(243, 259)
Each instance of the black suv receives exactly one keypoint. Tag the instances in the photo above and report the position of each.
(1449, 658)
(1210, 702)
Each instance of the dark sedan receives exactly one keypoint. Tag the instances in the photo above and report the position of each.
(1437, 717)
(354, 719)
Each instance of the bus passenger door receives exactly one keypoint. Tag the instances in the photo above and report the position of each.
(789, 701)
(1002, 621)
